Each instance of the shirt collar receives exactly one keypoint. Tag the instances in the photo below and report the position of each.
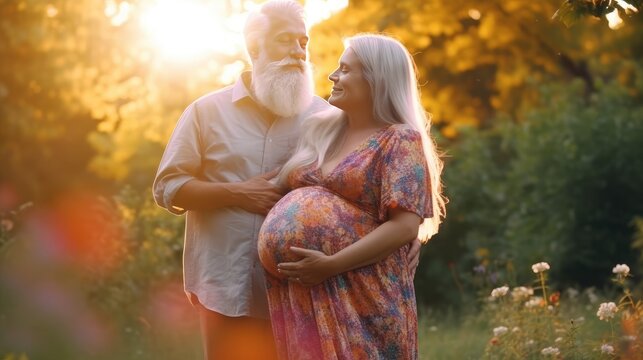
(241, 88)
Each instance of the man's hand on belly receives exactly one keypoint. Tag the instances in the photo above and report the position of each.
(258, 195)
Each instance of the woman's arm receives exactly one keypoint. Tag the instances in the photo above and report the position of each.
(315, 266)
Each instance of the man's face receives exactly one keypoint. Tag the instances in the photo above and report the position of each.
(281, 77)
(286, 37)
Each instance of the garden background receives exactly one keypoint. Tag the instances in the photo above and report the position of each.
(540, 118)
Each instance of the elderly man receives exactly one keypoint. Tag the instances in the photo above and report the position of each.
(217, 166)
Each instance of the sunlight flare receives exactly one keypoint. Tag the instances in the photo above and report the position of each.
(320, 10)
(188, 30)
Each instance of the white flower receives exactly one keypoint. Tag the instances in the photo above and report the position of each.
(499, 330)
(606, 311)
(621, 269)
(520, 293)
(540, 267)
(534, 302)
(530, 342)
(607, 349)
(499, 292)
(550, 351)
(558, 339)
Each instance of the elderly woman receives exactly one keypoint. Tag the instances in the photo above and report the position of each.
(363, 179)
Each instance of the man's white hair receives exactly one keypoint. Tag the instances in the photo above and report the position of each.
(258, 21)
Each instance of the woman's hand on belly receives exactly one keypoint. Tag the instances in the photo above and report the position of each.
(312, 269)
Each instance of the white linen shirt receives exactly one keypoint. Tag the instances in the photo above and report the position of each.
(226, 137)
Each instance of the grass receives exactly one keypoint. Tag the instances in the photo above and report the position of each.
(451, 336)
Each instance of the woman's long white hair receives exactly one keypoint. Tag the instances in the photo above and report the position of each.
(390, 71)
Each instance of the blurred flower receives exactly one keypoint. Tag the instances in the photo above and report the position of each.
(629, 338)
(554, 298)
(607, 349)
(515, 329)
(482, 252)
(535, 302)
(6, 225)
(494, 341)
(433, 328)
(521, 293)
(558, 339)
(550, 351)
(606, 311)
(530, 342)
(479, 269)
(621, 270)
(500, 330)
(499, 292)
(540, 267)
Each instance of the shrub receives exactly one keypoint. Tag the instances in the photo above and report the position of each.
(562, 184)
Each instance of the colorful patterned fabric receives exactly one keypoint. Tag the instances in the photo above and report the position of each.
(368, 313)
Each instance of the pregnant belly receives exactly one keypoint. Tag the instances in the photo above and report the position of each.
(311, 218)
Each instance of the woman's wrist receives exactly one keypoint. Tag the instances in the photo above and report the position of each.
(334, 265)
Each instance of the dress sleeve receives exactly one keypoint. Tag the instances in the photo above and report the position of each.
(405, 175)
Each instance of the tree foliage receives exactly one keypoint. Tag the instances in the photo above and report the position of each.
(87, 101)
(571, 11)
(476, 59)
(564, 186)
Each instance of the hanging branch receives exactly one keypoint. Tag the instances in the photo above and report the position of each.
(572, 10)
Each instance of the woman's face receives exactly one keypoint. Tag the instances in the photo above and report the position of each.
(350, 91)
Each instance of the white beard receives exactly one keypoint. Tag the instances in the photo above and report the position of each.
(283, 89)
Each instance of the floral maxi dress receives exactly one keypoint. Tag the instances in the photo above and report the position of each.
(367, 313)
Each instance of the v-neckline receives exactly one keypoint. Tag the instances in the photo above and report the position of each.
(356, 149)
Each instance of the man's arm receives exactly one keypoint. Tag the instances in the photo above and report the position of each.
(256, 195)
(177, 186)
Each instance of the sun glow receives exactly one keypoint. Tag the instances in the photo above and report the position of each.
(188, 30)
(192, 29)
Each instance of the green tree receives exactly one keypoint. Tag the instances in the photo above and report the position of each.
(477, 59)
(561, 187)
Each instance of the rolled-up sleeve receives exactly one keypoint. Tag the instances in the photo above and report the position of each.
(181, 161)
